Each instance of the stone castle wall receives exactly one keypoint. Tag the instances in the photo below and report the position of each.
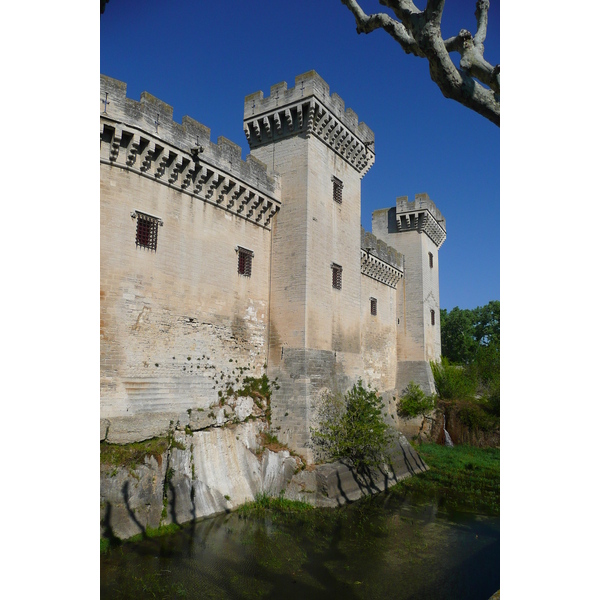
(180, 323)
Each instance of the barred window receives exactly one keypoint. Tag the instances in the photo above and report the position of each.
(244, 261)
(337, 189)
(430, 260)
(432, 317)
(374, 306)
(146, 232)
(336, 276)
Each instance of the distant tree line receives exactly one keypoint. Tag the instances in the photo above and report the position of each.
(468, 375)
(466, 331)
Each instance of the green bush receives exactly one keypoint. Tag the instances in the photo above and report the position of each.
(414, 401)
(476, 414)
(486, 370)
(453, 382)
(352, 428)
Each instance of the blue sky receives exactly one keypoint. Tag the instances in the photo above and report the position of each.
(190, 56)
(204, 57)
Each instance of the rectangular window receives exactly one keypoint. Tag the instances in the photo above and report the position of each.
(146, 232)
(374, 306)
(433, 317)
(336, 276)
(337, 189)
(430, 260)
(244, 261)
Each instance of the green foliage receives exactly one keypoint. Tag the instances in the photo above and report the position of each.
(352, 428)
(131, 455)
(462, 477)
(473, 390)
(477, 414)
(486, 370)
(259, 389)
(264, 503)
(453, 382)
(415, 402)
(464, 331)
(104, 545)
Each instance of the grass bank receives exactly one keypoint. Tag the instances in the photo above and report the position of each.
(460, 477)
(273, 504)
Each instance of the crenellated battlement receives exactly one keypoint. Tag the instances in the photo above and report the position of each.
(142, 136)
(421, 215)
(380, 261)
(308, 109)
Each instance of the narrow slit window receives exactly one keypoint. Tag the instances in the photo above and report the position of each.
(337, 189)
(374, 306)
(336, 276)
(432, 317)
(146, 233)
(244, 261)
(430, 260)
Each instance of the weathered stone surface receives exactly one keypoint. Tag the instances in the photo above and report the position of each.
(125, 430)
(418, 428)
(131, 500)
(218, 469)
(338, 483)
(104, 424)
(201, 418)
(303, 486)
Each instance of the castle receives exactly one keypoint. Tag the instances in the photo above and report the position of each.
(215, 268)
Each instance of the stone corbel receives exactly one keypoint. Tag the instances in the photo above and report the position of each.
(147, 155)
(267, 125)
(188, 174)
(133, 150)
(115, 144)
(290, 120)
(201, 178)
(165, 154)
(277, 120)
(256, 126)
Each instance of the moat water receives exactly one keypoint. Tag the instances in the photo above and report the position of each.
(387, 547)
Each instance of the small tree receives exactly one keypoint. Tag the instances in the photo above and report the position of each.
(414, 401)
(352, 428)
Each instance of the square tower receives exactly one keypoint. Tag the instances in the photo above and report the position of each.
(417, 230)
(321, 152)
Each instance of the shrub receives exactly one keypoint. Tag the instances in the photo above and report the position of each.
(414, 401)
(453, 382)
(352, 428)
(486, 369)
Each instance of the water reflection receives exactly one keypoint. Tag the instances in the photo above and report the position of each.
(384, 547)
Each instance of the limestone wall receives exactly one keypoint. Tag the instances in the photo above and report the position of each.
(178, 320)
(417, 230)
(312, 140)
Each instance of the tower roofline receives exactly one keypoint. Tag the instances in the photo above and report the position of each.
(308, 109)
(421, 215)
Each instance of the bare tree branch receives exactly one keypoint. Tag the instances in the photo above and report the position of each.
(367, 23)
(481, 14)
(419, 33)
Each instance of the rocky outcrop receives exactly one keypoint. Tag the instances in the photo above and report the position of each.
(217, 469)
(460, 433)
